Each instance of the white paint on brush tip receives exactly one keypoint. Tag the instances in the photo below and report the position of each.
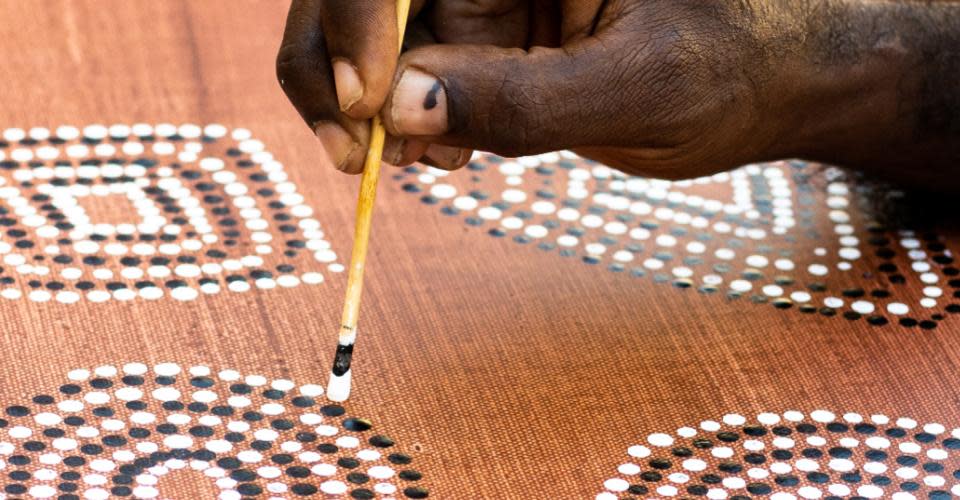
(338, 389)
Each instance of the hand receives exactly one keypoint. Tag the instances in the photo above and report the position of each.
(662, 88)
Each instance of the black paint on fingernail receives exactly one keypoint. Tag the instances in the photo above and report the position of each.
(341, 361)
(430, 101)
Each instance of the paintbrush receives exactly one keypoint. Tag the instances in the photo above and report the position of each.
(338, 389)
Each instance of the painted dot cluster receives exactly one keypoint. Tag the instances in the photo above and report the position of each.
(792, 456)
(792, 235)
(115, 432)
(150, 211)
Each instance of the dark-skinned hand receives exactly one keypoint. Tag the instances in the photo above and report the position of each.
(661, 88)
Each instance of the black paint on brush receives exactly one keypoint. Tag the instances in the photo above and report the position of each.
(430, 101)
(341, 361)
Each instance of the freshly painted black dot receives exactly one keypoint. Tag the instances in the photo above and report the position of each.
(222, 411)
(840, 452)
(139, 433)
(234, 437)
(167, 428)
(907, 461)
(410, 475)
(74, 421)
(357, 424)
(864, 428)
(896, 432)
(711, 479)
(754, 430)
(638, 489)
(416, 492)
(103, 411)
(303, 402)
(70, 389)
(18, 411)
(728, 437)
(880, 480)
(229, 463)
(348, 463)
(399, 459)
(282, 424)
(909, 486)
(782, 454)
(787, 480)
(34, 446)
(249, 489)
(817, 477)
(332, 410)
(306, 437)
(202, 382)
(759, 488)
(303, 489)
(702, 444)
(114, 441)
(837, 427)
(358, 478)
(198, 407)
(730, 467)
(660, 463)
(328, 448)
(933, 467)
(91, 449)
(697, 490)
(298, 472)
(253, 416)
(201, 431)
(925, 437)
(54, 433)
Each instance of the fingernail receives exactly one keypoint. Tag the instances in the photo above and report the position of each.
(349, 85)
(393, 150)
(336, 142)
(419, 105)
(447, 156)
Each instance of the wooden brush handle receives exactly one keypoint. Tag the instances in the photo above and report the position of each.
(365, 202)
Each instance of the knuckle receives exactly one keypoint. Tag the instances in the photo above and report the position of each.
(292, 65)
(518, 125)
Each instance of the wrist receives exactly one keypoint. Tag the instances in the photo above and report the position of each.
(848, 87)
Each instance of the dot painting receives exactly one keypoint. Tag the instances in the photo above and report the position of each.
(793, 456)
(143, 211)
(792, 235)
(115, 432)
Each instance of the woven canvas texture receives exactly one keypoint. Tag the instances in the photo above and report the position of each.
(173, 256)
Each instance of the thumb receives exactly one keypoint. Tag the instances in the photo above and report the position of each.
(509, 101)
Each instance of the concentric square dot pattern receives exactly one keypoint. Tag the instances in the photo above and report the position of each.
(792, 235)
(150, 211)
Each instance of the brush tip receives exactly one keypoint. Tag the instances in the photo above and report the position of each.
(338, 389)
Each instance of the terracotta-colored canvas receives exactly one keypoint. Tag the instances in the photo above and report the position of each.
(173, 254)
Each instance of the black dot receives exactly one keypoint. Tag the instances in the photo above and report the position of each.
(357, 424)
(381, 441)
(416, 492)
(303, 489)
